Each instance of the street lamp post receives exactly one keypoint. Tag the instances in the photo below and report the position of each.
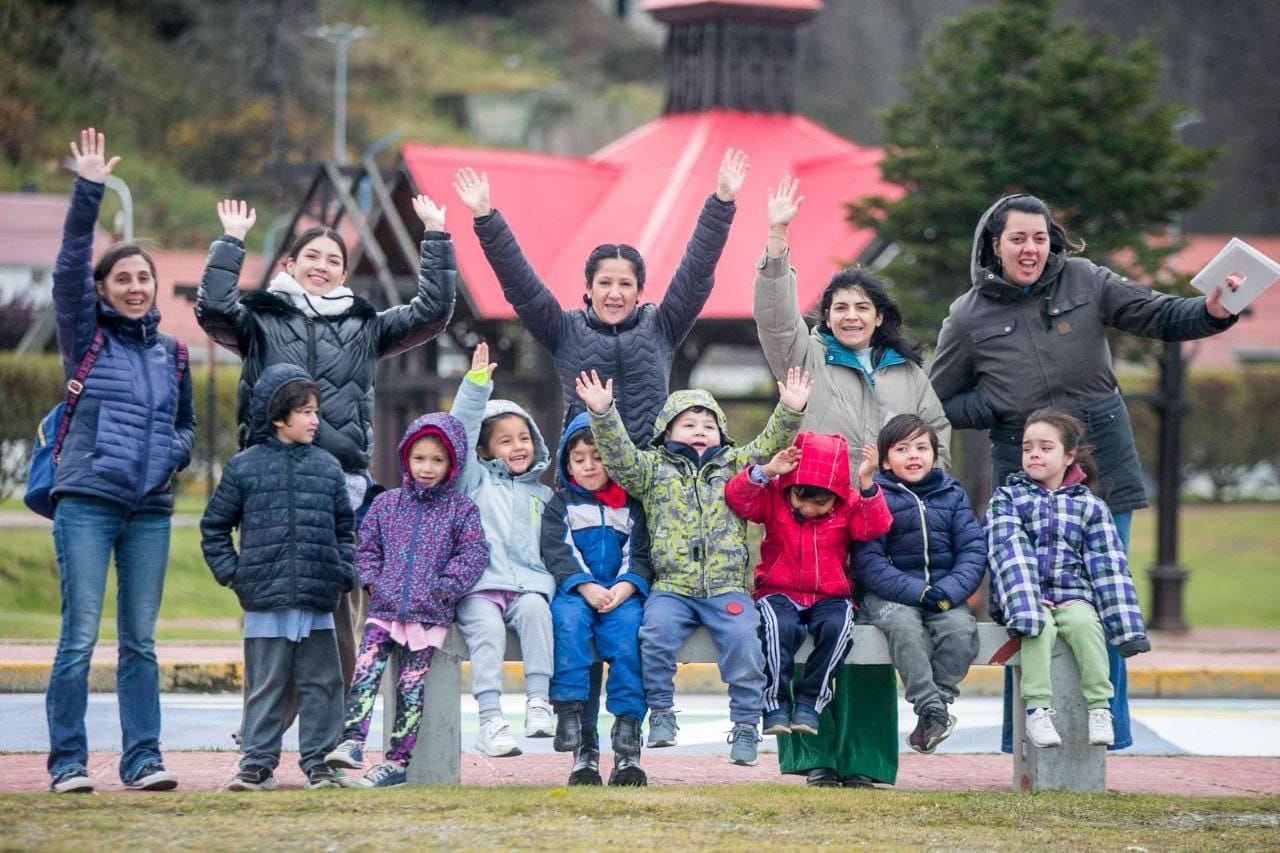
(340, 36)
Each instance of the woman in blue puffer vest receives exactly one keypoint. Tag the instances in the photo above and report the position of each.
(133, 428)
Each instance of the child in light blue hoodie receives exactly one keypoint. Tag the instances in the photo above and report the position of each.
(505, 456)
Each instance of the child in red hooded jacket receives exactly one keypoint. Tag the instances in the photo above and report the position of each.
(811, 514)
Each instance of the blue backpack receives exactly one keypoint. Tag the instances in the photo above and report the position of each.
(53, 430)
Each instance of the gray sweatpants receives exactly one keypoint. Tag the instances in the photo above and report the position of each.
(931, 651)
(270, 664)
(484, 626)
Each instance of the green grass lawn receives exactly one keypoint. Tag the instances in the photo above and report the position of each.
(739, 817)
(1230, 551)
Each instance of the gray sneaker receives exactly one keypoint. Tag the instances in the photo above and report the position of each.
(742, 740)
(662, 728)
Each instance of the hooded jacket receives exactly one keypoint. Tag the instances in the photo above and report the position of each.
(585, 541)
(935, 540)
(698, 546)
(808, 559)
(847, 399)
(1003, 353)
(1055, 547)
(340, 352)
(134, 425)
(290, 503)
(511, 506)
(422, 547)
(636, 353)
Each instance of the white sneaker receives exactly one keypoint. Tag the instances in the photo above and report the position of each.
(538, 719)
(1101, 733)
(1040, 730)
(495, 739)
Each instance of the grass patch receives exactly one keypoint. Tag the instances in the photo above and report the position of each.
(739, 816)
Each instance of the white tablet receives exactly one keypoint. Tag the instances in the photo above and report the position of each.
(1259, 271)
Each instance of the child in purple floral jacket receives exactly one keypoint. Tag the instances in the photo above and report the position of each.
(422, 548)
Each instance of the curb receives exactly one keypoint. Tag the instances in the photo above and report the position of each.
(699, 678)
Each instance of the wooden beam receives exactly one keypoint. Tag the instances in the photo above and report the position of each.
(368, 242)
(387, 207)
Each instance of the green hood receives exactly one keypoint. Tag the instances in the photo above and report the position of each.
(687, 399)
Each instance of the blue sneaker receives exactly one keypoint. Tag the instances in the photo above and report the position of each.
(742, 744)
(777, 722)
(348, 754)
(662, 728)
(804, 720)
(388, 774)
(73, 780)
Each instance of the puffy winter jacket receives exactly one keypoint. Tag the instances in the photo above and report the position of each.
(935, 540)
(1054, 547)
(808, 559)
(340, 352)
(636, 353)
(585, 541)
(134, 425)
(698, 546)
(290, 503)
(510, 506)
(422, 547)
(1003, 353)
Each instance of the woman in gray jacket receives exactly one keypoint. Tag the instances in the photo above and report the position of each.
(864, 372)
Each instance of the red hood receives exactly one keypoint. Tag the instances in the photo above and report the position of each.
(824, 462)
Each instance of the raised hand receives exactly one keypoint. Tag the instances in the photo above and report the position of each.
(795, 391)
(473, 188)
(91, 156)
(597, 397)
(1214, 303)
(432, 216)
(868, 466)
(237, 217)
(784, 203)
(733, 171)
(480, 360)
(783, 462)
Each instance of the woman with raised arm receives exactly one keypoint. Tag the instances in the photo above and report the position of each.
(864, 372)
(308, 316)
(133, 427)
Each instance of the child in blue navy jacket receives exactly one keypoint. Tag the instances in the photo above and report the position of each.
(920, 574)
(595, 543)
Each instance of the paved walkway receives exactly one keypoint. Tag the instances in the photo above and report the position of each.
(1180, 775)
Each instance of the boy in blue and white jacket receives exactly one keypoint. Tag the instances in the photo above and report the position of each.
(595, 541)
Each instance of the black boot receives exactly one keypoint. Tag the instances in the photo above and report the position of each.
(586, 764)
(568, 726)
(626, 753)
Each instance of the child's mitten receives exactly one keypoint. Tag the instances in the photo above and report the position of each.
(935, 600)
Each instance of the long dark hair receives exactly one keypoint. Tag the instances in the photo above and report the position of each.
(890, 332)
(1072, 433)
(1060, 241)
(604, 252)
(315, 233)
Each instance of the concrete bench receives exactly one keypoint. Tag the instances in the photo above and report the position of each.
(1074, 766)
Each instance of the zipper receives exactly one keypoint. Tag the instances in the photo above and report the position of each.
(293, 522)
(816, 571)
(146, 447)
(403, 610)
(924, 532)
(311, 346)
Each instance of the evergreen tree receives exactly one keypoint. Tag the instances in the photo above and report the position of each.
(1006, 100)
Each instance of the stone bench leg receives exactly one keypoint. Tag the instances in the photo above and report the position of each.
(437, 757)
(1074, 766)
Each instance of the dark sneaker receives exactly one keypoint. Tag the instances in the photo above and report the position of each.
(742, 742)
(349, 754)
(804, 720)
(322, 776)
(255, 777)
(938, 726)
(857, 780)
(627, 772)
(153, 777)
(662, 728)
(822, 777)
(73, 780)
(916, 739)
(777, 722)
(388, 774)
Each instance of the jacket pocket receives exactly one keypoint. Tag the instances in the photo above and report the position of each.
(993, 333)
(117, 446)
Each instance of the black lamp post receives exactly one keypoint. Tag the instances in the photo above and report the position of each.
(1167, 577)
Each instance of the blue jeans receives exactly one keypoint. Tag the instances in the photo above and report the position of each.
(85, 532)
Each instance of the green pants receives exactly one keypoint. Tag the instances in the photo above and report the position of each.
(1079, 626)
(857, 732)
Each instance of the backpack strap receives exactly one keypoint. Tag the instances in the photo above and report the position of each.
(75, 386)
(183, 358)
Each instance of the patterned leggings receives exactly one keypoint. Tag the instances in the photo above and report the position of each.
(375, 649)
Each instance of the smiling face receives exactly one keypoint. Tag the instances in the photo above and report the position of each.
(911, 459)
(1023, 247)
(301, 425)
(129, 287)
(429, 461)
(319, 266)
(852, 318)
(613, 290)
(586, 467)
(699, 430)
(510, 441)
(1044, 457)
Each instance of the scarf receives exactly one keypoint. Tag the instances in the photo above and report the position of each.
(337, 301)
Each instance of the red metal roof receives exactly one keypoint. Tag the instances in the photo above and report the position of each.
(31, 229)
(646, 189)
(184, 269)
